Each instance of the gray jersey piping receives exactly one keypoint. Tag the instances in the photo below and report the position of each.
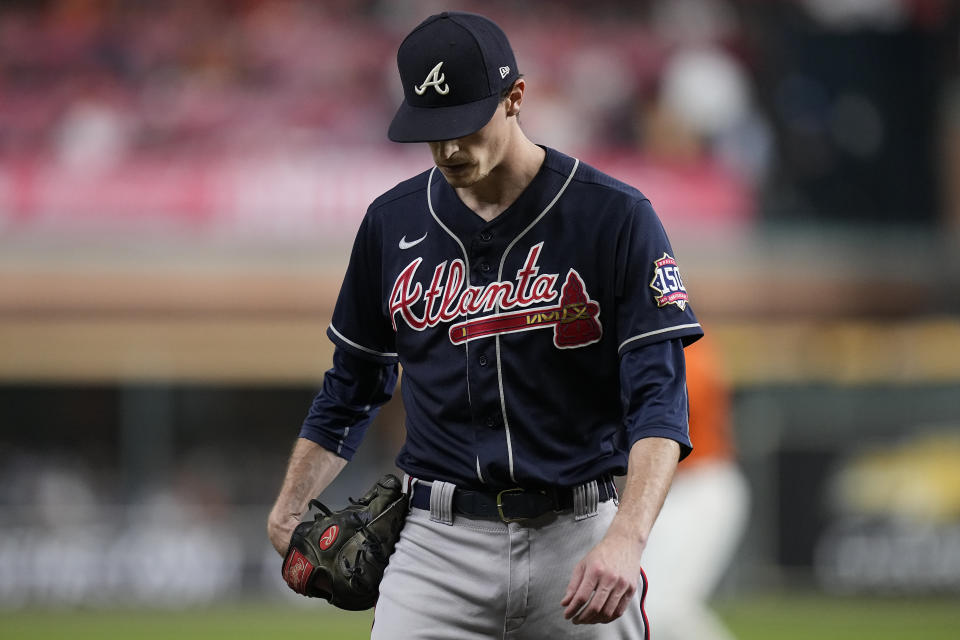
(656, 332)
(360, 346)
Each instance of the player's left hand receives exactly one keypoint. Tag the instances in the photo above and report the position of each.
(604, 581)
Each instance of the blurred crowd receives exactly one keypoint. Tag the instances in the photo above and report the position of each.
(89, 83)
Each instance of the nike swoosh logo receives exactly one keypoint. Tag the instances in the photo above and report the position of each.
(406, 245)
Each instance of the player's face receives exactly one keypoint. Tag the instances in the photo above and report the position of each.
(466, 161)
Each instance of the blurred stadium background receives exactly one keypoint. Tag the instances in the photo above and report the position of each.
(179, 185)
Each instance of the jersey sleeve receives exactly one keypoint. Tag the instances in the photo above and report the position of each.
(653, 392)
(353, 391)
(652, 301)
(359, 324)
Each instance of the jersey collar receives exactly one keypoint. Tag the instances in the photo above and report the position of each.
(466, 224)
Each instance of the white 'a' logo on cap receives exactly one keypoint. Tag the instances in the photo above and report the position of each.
(434, 79)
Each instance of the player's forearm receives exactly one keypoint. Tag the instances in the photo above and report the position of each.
(310, 470)
(650, 471)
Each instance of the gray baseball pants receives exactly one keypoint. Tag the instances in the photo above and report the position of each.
(482, 579)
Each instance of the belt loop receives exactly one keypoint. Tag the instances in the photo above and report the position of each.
(586, 499)
(441, 501)
(409, 482)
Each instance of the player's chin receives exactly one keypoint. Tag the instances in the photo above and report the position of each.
(459, 176)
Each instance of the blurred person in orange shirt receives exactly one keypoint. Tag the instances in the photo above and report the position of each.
(705, 513)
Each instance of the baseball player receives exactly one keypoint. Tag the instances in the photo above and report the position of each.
(539, 314)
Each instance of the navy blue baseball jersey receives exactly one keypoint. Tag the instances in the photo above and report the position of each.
(536, 348)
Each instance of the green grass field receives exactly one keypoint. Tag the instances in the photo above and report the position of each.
(759, 618)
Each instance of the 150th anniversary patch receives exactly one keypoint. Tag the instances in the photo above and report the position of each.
(667, 283)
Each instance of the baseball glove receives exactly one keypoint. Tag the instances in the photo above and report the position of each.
(341, 555)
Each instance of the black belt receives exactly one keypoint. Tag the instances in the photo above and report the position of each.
(510, 505)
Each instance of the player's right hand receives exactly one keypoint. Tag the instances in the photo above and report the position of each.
(280, 528)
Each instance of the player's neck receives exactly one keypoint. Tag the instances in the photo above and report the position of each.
(492, 195)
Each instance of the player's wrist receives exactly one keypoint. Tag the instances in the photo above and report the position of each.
(280, 527)
(623, 531)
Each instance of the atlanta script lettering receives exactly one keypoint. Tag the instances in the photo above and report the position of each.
(449, 297)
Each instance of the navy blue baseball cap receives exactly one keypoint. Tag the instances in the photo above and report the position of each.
(453, 67)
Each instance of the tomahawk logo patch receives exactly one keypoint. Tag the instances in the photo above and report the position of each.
(667, 283)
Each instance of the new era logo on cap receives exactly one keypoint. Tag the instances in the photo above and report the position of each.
(453, 67)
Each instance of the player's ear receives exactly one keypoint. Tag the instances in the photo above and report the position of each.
(515, 97)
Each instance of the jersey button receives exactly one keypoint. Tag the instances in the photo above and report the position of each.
(484, 266)
(483, 361)
(485, 236)
(492, 422)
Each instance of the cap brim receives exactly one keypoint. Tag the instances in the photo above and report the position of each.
(429, 124)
